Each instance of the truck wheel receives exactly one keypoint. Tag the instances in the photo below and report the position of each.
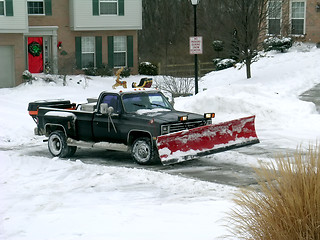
(58, 147)
(143, 152)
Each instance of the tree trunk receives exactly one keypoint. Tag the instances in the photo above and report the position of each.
(248, 68)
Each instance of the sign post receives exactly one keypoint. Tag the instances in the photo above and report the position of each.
(195, 49)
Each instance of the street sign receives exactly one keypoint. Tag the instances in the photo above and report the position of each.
(196, 45)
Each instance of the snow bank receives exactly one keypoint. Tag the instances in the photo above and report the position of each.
(47, 198)
(271, 94)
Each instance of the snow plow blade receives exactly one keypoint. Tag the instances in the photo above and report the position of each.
(201, 141)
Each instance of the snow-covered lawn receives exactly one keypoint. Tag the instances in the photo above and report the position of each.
(47, 198)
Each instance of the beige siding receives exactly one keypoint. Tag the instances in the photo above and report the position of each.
(71, 14)
(17, 23)
(83, 20)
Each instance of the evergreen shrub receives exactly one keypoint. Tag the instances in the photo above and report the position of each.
(26, 76)
(278, 44)
(223, 63)
(147, 68)
(90, 71)
(217, 45)
(126, 72)
(102, 70)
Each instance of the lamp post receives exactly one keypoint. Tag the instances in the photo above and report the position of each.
(195, 3)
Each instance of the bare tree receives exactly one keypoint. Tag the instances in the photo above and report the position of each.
(240, 24)
(165, 23)
(247, 21)
(175, 86)
(167, 26)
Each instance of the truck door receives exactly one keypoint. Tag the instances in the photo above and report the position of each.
(108, 127)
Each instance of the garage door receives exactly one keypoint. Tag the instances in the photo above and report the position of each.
(6, 66)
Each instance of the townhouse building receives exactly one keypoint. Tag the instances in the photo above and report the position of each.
(67, 36)
(299, 19)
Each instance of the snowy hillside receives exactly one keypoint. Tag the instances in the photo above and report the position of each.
(47, 198)
(271, 94)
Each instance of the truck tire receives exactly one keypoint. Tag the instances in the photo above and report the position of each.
(143, 152)
(57, 145)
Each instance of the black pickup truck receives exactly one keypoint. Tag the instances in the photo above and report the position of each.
(119, 120)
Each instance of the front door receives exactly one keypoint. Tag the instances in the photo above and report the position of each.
(108, 127)
(35, 54)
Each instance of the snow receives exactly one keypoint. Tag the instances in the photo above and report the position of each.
(60, 114)
(152, 112)
(271, 95)
(47, 198)
(177, 145)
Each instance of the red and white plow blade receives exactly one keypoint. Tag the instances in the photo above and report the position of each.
(189, 144)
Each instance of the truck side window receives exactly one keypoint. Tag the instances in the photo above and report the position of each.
(113, 101)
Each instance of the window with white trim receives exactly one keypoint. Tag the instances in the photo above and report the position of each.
(120, 51)
(1, 7)
(274, 16)
(88, 52)
(36, 7)
(108, 7)
(297, 17)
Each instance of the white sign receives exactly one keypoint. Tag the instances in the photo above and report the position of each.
(196, 45)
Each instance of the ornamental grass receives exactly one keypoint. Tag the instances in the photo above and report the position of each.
(286, 204)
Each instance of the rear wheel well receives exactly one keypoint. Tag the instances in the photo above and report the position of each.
(49, 128)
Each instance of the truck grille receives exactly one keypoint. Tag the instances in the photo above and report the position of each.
(176, 127)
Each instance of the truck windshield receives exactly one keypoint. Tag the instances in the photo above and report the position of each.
(135, 101)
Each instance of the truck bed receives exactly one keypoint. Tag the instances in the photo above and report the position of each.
(52, 111)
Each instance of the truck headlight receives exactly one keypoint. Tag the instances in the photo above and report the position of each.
(209, 115)
(164, 129)
(183, 118)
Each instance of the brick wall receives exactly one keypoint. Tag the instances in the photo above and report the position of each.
(60, 18)
(312, 21)
(312, 24)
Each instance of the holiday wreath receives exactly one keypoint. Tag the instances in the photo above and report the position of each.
(35, 49)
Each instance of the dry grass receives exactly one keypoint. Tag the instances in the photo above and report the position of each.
(287, 207)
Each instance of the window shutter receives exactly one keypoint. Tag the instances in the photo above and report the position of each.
(98, 51)
(95, 7)
(110, 51)
(130, 51)
(9, 8)
(121, 7)
(78, 52)
(48, 7)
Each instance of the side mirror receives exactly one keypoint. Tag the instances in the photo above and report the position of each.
(110, 110)
(104, 108)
